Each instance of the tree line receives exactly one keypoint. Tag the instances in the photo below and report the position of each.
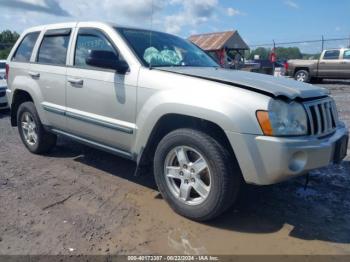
(7, 40)
(282, 53)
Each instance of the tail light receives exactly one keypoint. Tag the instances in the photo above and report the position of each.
(7, 71)
(286, 66)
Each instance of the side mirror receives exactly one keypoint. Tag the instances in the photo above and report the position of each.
(106, 59)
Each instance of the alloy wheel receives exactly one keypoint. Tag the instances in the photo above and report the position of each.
(188, 175)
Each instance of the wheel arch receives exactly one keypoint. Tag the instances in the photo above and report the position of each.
(301, 68)
(172, 121)
(19, 97)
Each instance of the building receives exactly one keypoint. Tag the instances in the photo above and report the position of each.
(225, 47)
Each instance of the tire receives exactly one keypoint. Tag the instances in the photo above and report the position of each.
(225, 177)
(316, 80)
(302, 76)
(44, 141)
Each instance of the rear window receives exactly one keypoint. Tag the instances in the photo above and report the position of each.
(331, 55)
(53, 49)
(24, 50)
(347, 54)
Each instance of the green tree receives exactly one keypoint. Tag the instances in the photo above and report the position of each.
(282, 53)
(7, 40)
(261, 51)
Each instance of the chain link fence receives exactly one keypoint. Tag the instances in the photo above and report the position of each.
(307, 49)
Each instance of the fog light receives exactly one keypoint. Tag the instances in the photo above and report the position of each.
(298, 161)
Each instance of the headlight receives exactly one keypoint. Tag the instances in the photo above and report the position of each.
(283, 119)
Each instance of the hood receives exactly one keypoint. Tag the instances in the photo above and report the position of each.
(269, 85)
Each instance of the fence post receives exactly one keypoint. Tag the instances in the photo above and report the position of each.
(322, 44)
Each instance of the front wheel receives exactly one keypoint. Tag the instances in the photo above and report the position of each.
(302, 76)
(195, 174)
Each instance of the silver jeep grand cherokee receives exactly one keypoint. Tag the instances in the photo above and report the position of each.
(156, 98)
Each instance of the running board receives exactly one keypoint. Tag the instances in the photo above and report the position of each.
(96, 145)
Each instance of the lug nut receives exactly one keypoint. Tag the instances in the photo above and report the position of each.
(193, 180)
(181, 173)
(192, 170)
(185, 166)
(186, 181)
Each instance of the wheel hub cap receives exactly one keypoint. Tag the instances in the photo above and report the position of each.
(188, 175)
(29, 129)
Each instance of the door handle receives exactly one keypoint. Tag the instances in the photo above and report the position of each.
(34, 74)
(75, 81)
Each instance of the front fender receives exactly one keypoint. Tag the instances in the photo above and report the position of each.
(226, 111)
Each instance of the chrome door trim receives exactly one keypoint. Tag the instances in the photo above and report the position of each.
(54, 110)
(99, 122)
(88, 119)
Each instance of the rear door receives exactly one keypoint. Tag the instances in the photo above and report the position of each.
(329, 64)
(344, 66)
(101, 103)
(49, 71)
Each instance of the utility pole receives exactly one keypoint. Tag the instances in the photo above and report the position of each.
(273, 62)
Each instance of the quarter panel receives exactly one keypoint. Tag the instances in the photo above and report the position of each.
(20, 80)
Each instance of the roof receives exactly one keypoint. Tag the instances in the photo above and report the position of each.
(219, 40)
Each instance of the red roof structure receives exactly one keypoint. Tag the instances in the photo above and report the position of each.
(219, 40)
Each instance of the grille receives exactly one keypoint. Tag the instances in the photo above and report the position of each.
(3, 104)
(322, 116)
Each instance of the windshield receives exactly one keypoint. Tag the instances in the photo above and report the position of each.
(158, 49)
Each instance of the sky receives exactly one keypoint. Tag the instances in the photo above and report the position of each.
(258, 21)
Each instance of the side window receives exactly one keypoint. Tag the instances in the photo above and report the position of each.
(24, 50)
(331, 55)
(347, 54)
(89, 40)
(53, 49)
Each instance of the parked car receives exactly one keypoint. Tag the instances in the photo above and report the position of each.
(3, 98)
(204, 129)
(265, 66)
(334, 64)
(2, 68)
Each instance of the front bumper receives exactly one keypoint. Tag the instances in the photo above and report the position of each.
(267, 160)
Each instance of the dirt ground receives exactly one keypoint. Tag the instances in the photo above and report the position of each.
(79, 200)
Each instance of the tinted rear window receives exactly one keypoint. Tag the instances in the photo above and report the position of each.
(331, 55)
(53, 49)
(347, 54)
(24, 50)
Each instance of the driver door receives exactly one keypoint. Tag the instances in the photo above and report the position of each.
(100, 102)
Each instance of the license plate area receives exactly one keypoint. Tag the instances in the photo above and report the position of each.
(341, 148)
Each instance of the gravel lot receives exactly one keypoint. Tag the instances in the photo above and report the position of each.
(79, 200)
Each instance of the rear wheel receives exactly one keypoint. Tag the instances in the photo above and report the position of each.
(32, 132)
(195, 174)
(302, 76)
